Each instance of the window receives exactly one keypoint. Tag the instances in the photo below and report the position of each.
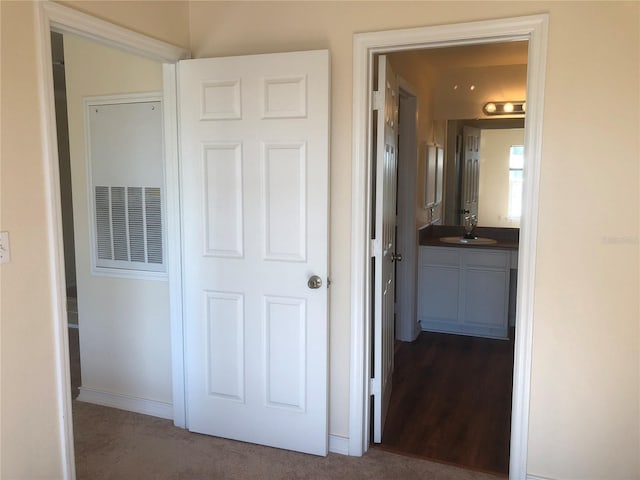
(516, 167)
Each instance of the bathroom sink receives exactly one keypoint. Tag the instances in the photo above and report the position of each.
(469, 241)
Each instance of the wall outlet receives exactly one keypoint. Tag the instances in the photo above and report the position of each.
(5, 254)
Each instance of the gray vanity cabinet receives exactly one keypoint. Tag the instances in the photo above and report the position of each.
(464, 290)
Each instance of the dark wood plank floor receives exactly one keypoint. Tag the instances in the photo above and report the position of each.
(451, 401)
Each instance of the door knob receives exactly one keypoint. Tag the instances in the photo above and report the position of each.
(314, 282)
(396, 257)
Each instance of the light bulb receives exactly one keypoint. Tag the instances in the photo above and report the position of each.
(508, 107)
(490, 107)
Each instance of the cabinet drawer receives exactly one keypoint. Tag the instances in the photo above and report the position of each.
(440, 256)
(487, 259)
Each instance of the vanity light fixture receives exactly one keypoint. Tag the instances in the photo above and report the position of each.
(504, 108)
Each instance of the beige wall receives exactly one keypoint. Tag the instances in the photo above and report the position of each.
(585, 379)
(165, 20)
(29, 423)
(116, 315)
(493, 194)
(429, 132)
(586, 311)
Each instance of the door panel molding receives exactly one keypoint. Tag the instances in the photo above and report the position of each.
(533, 28)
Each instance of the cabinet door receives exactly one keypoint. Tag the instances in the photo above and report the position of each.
(439, 299)
(439, 284)
(485, 292)
(485, 297)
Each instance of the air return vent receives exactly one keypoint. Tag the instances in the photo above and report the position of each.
(129, 228)
(126, 175)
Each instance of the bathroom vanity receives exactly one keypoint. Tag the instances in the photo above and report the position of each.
(465, 288)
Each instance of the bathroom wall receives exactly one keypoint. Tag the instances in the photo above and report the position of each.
(493, 197)
(408, 66)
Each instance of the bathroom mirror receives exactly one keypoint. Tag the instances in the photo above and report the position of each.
(488, 184)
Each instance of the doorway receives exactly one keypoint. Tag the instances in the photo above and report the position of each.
(532, 29)
(60, 19)
(452, 81)
(111, 174)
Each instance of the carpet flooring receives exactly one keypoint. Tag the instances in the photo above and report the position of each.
(113, 444)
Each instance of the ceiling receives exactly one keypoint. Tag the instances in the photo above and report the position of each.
(484, 55)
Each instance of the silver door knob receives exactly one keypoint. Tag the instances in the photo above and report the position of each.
(314, 282)
(396, 257)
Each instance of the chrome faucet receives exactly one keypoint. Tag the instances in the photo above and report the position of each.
(470, 223)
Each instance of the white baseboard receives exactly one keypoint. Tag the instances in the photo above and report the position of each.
(125, 402)
(531, 477)
(339, 444)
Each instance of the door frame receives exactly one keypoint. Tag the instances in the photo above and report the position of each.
(406, 271)
(533, 28)
(53, 17)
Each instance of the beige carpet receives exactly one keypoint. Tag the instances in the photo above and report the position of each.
(114, 444)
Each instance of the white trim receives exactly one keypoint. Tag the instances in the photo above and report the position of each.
(532, 477)
(407, 328)
(55, 244)
(365, 45)
(536, 70)
(174, 241)
(338, 444)
(135, 97)
(67, 20)
(126, 402)
(116, 268)
(63, 19)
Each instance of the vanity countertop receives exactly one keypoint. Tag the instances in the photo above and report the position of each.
(506, 238)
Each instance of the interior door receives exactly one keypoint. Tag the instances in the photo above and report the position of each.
(470, 172)
(386, 160)
(254, 136)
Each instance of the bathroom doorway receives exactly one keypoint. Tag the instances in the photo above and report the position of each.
(434, 214)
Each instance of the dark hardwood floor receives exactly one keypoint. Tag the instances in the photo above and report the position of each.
(451, 401)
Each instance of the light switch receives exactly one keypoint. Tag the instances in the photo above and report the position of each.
(5, 254)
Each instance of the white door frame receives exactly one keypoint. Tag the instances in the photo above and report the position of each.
(365, 46)
(54, 17)
(406, 241)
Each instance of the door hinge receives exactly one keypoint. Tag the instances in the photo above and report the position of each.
(374, 387)
(328, 282)
(378, 100)
(375, 247)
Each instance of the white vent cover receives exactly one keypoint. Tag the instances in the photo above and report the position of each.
(125, 150)
(129, 228)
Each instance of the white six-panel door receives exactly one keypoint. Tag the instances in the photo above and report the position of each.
(385, 241)
(470, 171)
(254, 143)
